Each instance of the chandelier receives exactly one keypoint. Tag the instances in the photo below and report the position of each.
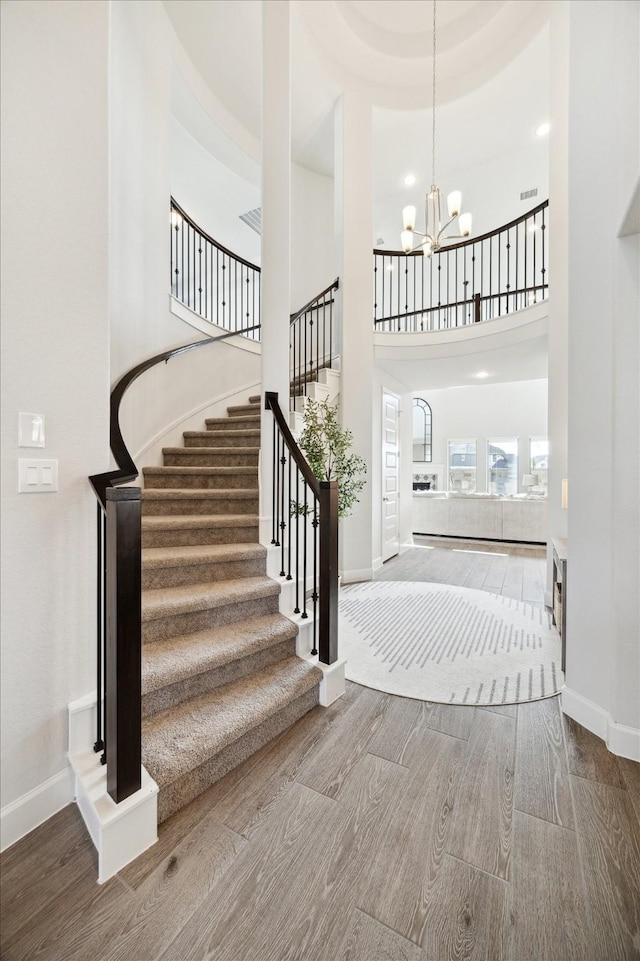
(435, 223)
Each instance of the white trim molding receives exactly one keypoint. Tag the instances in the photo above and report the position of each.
(35, 807)
(355, 576)
(619, 738)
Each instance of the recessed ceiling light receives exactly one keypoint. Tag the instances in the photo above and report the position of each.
(482, 374)
(409, 180)
(543, 129)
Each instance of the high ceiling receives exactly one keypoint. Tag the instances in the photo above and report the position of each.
(383, 47)
(492, 93)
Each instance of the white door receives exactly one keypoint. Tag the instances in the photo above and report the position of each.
(390, 473)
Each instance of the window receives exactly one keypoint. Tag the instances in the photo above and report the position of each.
(502, 466)
(536, 481)
(421, 430)
(461, 464)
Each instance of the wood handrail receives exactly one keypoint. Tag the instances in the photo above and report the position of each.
(460, 303)
(271, 403)
(225, 250)
(334, 286)
(127, 470)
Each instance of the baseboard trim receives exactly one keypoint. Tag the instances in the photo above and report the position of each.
(35, 807)
(377, 564)
(355, 576)
(619, 738)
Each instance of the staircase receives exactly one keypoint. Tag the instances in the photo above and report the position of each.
(220, 676)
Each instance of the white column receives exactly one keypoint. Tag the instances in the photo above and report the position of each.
(603, 664)
(558, 400)
(354, 239)
(276, 232)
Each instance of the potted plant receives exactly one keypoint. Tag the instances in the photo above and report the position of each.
(327, 447)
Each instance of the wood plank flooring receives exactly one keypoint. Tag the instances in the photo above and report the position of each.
(379, 829)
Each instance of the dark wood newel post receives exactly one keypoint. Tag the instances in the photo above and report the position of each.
(328, 627)
(124, 642)
(476, 301)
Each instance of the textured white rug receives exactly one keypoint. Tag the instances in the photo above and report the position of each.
(448, 644)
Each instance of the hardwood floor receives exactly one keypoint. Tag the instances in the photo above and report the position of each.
(378, 829)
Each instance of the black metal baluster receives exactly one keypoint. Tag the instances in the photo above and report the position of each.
(331, 333)
(289, 524)
(499, 276)
(305, 514)
(283, 524)
(543, 271)
(296, 609)
(274, 539)
(314, 595)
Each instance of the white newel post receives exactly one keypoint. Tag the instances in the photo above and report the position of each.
(276, 230)
(354, 263)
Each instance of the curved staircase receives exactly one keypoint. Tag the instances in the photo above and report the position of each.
(220, 677)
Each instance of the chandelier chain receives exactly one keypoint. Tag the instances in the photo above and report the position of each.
(433, 114)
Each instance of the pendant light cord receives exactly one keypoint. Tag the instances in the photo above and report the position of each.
(433, 118)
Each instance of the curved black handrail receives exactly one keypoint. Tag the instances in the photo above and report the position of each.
(471, 240)
(463, 283)
(225, 250)
(127, 470)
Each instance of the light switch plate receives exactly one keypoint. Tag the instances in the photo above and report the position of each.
(37, 476)
(30, 430)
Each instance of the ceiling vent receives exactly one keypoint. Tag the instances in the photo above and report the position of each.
(526, 194)
(253, 219)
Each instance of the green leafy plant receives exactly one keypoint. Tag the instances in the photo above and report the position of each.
(327, 447)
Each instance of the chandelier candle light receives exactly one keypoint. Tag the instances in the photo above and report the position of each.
(433, 238)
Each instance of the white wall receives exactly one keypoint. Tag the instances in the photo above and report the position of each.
(603, 621)
(55, 361)
(312, 254)
(213, 195)
(517, 409)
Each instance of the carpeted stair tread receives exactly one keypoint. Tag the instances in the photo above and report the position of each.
(197, 477)
(255, 398)
(243, 410)
(182, 738)
(169, 601)
(197, 493)
(222, 438)
(189, 452)
(195, 471)
(246, 422)
(166, 522)
(154, 558)
(167, 662)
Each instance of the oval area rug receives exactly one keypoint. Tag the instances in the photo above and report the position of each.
(453, 645)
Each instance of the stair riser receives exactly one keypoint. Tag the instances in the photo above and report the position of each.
(202, 573)
(190, 687)
(173, 796)
(206, 458)
(200, 505)
(200, 536)
(222, 439)
(189, 621)
(212, 482)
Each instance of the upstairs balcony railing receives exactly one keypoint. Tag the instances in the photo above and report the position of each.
(476, 280)
(211, 280)
(312, 340)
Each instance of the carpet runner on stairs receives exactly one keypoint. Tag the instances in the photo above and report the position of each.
(220, 677)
